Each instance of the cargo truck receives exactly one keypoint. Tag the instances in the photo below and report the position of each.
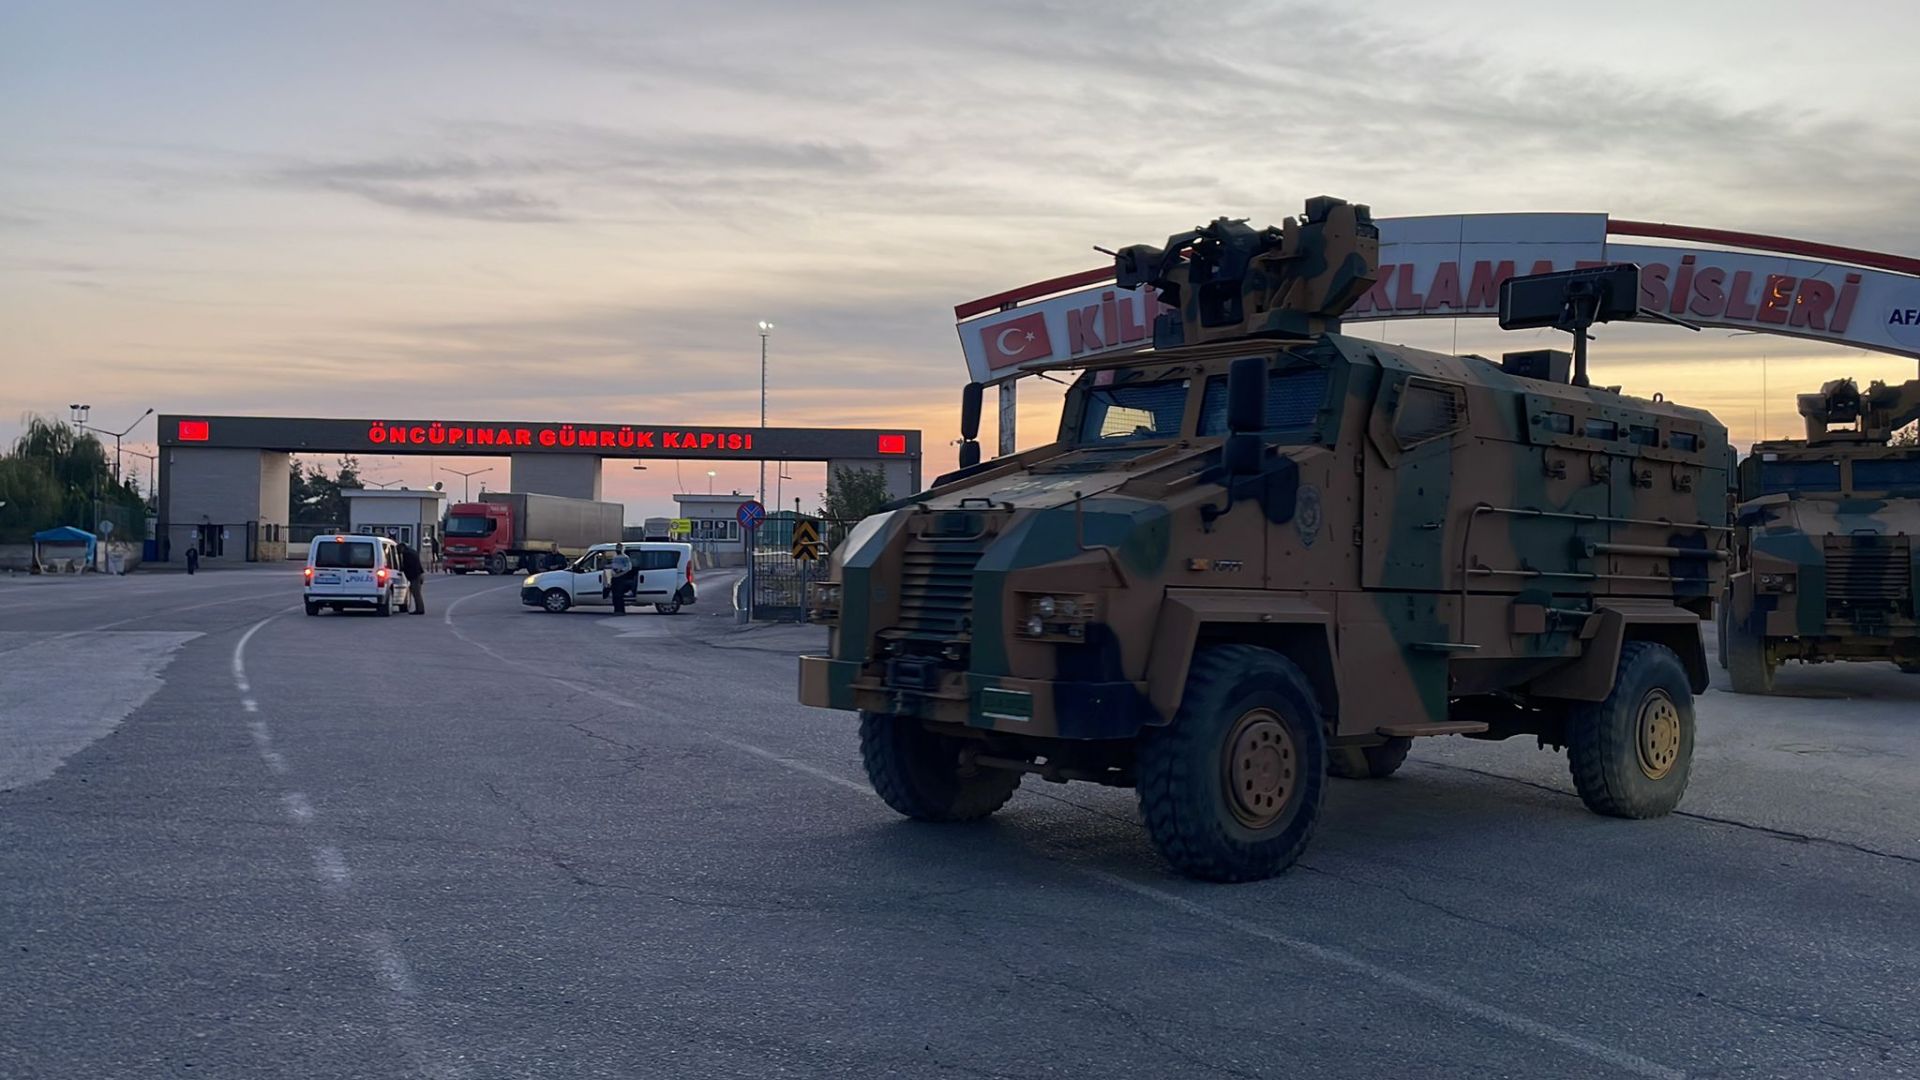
(507, 531)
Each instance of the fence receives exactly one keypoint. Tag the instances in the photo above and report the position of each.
(780, 581)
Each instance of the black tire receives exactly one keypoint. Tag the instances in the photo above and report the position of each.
(312, 607)
(672, 608)
(555, 600)
(1911, 667)
(1253, 699)
(459, 570)
(1631, 754)
(918, 772)
(1748, 669)
(384, 606)
(1369, 762)
(496, 564)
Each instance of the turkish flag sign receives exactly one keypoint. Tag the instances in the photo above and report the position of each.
(1016, 341)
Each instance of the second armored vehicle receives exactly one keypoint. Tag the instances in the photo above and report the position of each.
(1824, 553)
(1266, 551)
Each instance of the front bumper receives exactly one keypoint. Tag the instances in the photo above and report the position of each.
(532, 596)
(1058, 709)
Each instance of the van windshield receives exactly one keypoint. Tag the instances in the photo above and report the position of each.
(344, 555)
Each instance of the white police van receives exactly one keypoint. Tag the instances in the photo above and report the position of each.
(352, 570)
(664, 578)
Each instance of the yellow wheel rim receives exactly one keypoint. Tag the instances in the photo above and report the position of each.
(1658, 734)
(1262, 768)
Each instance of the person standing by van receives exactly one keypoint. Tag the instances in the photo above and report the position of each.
(621, 577)
(416, 576)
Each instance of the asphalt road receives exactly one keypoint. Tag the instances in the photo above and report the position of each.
(497, 843)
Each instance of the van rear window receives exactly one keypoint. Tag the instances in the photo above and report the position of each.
(655, 560)
(348, 555)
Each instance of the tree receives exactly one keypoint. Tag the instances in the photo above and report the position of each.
(854, 493)
(56, 474)
(315, 497)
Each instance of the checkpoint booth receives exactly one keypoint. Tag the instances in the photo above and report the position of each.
(403, 514)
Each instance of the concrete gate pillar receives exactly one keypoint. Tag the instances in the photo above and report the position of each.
(574, 476)
(233, 502)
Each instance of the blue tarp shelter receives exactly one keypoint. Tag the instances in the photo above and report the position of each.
(65, 536)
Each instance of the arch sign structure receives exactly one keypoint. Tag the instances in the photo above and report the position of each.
(1451, 266)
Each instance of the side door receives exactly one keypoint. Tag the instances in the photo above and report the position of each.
(587, 587)
(658, 567)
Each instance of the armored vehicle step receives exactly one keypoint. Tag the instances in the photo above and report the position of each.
(1452, 727)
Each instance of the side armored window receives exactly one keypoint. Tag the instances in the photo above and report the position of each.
(1428, 409)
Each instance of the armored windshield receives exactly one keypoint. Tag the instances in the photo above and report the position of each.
(1778, 476)
(1294, 400)
(1135, 411)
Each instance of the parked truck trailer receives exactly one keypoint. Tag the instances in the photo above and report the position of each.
(507, 531)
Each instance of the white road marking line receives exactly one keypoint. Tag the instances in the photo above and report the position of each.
(261, 736)
(249, 704)
(799, 766)
(298, 808)
(275, 762)
(1438, 995)
(389, 964)
(332, 867)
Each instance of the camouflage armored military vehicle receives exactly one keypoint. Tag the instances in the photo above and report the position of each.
(1266, 551)
(1824, 550)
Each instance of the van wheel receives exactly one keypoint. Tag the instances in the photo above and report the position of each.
(555, 600)
(1231, 790)
(1632, 753)
(384, 607)
(668, 609)
(1748, 668)
(312, 608)
(1369, 762)
(918, 772)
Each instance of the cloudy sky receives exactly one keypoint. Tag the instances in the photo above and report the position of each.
(579, 210)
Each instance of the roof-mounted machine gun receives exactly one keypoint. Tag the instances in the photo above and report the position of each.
(1228, 280)
(1841, 413)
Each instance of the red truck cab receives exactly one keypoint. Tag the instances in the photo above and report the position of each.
(477, 537)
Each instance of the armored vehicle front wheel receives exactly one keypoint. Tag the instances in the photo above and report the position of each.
(1748, 668)
(1369, 762)
(919, 774)
(1632, 753)
(1232, 789)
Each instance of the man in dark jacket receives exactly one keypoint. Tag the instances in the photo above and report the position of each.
(416, 576)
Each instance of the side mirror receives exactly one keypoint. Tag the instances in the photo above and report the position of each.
(970, 411)
(969, 454)
(1247, 395)
(1241, 453)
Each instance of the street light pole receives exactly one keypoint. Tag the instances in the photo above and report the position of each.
(765, 329)
(466, 480)
(117, 435)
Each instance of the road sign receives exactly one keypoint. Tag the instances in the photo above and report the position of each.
(806, 540)
(106, 528)
(750, 514)
(680, 527)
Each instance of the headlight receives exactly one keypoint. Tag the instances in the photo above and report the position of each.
(823, 601)
(1777, 583)
(1055, 616)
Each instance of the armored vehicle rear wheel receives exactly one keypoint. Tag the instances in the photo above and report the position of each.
(1232, 789)
(1368, 762)
(1631, 754)
(918, 772)
(1748, 668)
